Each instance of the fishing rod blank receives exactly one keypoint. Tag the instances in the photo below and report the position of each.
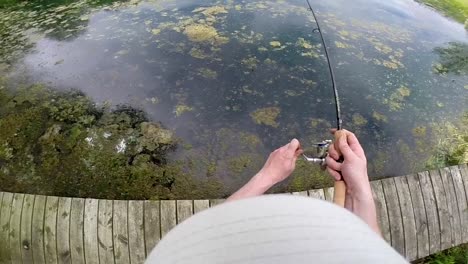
(332, 74)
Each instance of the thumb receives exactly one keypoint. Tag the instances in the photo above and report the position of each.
(293, 146)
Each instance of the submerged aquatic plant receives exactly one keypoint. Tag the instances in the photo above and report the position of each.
(452, 146)
(61, 143)
(453, 59)
(266, 116)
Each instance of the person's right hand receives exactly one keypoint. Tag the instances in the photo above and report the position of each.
(353, 169)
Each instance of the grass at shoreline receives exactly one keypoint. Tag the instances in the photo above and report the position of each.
(455, 9)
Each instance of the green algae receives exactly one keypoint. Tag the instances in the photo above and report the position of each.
(359, 120)
(60, 143)
(207, 73)
(204, 33)
(181, 108)
(397, 99)
(379, 117)
(266, 116)
(275, 44)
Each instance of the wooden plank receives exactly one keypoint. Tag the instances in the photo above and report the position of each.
(5, 253)
(120, 224)
(37, 238)
(136, 231)
(50, 229)
(200, 205)
(215, 202)
(431, 212)
(63, 230)
(420, 218)
(394, 215)
(461, 201)
(442, 211)
(152, 225)
(15, 228)
(407, 213)
(76, 230)
(381, 206)
(105, 243)
(26, 223)
(318, 193)
(303, 193)
(452, 205)
(328, 192)
(91, 247)
(184, 210)
(168, 216)
(464, 176)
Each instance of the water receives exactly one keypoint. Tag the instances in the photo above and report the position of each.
(240, 79)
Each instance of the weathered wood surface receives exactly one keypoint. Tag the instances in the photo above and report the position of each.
(90, 231)
(37, 239)
(394, 215)
(152, 225)
(329, 193)
(15, 227)
(5, 252)
(418, 214)
(76, 230)
(168, 216)
(104, 232)
(407, 214)
(120, 231)
(381, 207)
(431, 212)
(26, 223)
(420, 217)
(464, 176)
(184, 210)
(447, 181)
(136, 231)
(50, 229)
(318, 194)
(63, 230)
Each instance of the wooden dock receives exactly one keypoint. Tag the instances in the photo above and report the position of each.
(419, 214)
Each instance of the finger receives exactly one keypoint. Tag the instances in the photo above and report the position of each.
(336, 175)
(292, 147)
(333, 130)
(355, 145)
(298, 152)
(333, 164)
(345, 149)
(333, 153)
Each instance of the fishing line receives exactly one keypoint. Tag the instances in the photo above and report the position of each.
(332, 74)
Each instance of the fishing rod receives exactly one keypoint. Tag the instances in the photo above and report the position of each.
(321, 149)
(330, 68)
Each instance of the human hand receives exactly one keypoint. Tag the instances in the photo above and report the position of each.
(281, 162)
(353, 169)
(279, 165)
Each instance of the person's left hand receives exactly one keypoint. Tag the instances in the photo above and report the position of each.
(281, 162)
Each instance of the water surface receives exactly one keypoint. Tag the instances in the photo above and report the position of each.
(236, 79)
